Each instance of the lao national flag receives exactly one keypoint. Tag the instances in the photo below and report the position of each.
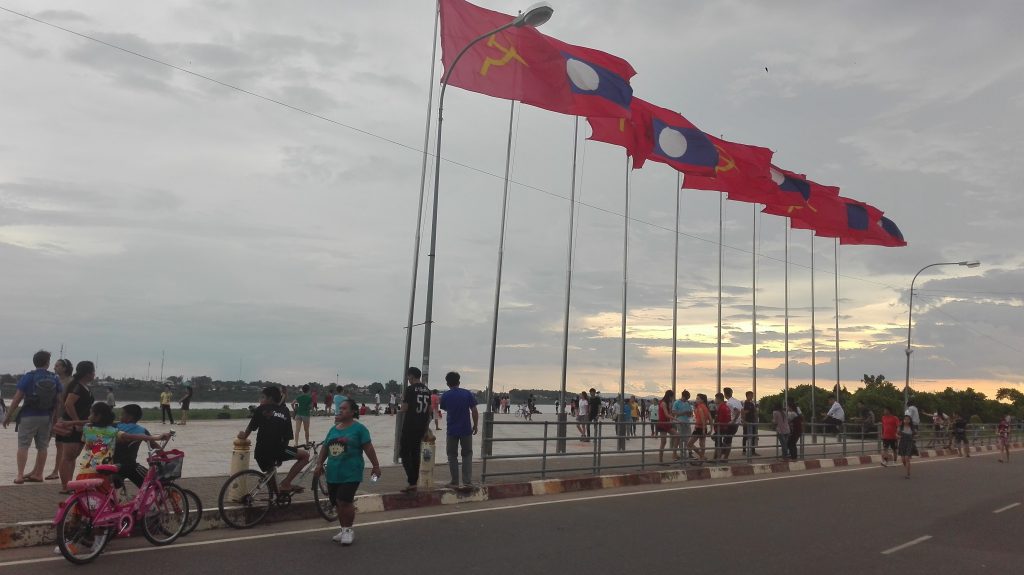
(667, 137)
(839, 217)
(524, 65)
(742, 172)
(878, 230)
(888, 234)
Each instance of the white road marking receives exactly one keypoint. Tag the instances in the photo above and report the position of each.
(911, 543)
(1010, 506)
(177, 545)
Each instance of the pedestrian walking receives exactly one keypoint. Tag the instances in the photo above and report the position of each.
(344, 446)
(661, 419)
(702, 426)
(594, 412)
(963, 446)
(796, 428)
(40, 389)
(749, 416)
(723, 419)
(301, 412)
(460, 405)
(682, 411)
(906, 446)
(583, 411)
(890, 435)
(416, 415)
(435, 409)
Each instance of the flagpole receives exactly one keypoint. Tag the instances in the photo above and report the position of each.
(814, 333)
(675, 285)
(620, 432)
(753, 299)
(721, 207)
(488, 412)
(838, 396)
(560, 446)
(786, 394)
(419, 227)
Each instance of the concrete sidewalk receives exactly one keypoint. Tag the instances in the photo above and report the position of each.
(28, 510)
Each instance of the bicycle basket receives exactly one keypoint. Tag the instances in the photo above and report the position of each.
(168, 464)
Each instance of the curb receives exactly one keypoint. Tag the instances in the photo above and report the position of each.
(33, 533)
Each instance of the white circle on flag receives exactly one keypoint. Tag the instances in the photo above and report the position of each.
(582, 75)
(777, 176)
(672, 142)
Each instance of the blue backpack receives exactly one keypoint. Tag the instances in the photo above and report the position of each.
(44, 391)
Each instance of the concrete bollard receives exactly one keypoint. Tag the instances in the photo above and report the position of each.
(239, 462)
(428, 452)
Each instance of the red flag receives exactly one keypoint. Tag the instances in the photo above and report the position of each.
(800, 198)
(524, 65)
(618, 132)
(878, 230)
(742, 172)
(667, 137)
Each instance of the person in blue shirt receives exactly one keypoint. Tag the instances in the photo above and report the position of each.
(130, 435)
(461, 407)
(40, 389)
(343, 451)
(682, 409)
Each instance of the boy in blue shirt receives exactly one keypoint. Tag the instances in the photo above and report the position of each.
(130, 434)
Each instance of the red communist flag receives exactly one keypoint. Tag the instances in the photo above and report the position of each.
(618, 132)
(524, 65)
(801, 199)
(742, 172)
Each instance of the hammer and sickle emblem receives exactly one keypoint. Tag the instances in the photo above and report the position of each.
(508, 54)
(725, 162)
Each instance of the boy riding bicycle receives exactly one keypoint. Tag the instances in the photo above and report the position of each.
(273, 426)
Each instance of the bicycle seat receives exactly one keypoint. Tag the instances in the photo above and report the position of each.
(108, 469)
(83, 484)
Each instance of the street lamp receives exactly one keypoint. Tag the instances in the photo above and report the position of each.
(910, 315)
(534, 16)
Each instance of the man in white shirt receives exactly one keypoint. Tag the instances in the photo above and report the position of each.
(835, 416)
(582, 414)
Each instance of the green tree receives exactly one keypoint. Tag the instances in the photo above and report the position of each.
(392, 387)
(375, 387)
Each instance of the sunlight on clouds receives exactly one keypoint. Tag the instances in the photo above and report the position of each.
(59, 241)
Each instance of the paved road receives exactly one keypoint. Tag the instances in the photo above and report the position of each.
(835, 521)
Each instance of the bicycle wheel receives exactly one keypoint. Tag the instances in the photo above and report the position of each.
(78, 539)
(166, 518)
(244, 499)
(323, 499)
(195, 512)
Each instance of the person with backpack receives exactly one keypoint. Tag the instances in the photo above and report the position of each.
(40, 390)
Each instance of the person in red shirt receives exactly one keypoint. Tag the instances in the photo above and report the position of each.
(1004, 439)
(723, 417)
(701, 427)
(889, 424)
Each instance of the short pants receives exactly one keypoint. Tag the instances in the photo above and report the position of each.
(268, 461)
(34, 427)
(342, 492)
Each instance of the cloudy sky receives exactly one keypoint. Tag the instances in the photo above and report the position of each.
(145, 209)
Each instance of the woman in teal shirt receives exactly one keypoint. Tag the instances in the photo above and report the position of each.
(343, 451)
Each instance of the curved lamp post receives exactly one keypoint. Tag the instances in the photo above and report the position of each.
(910, 315)
(533, 17)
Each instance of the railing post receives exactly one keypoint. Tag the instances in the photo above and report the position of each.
(842, 430)
(544, 454)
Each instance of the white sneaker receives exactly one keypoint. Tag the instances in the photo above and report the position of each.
(337, 538)
(347, 535)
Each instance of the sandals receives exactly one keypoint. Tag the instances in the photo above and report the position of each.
(52, 476)
(30, 479)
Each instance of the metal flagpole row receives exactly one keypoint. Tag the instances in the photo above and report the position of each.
(419, 226)
(488, 412)
(675, 285)
(560, 447)
(814, 364)
(625, 285)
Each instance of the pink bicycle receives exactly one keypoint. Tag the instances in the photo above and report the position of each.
(93, 514)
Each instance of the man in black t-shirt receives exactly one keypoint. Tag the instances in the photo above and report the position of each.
(749, 416)
(416, 415)
(273, 426)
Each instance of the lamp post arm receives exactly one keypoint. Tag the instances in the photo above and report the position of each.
(910, 324)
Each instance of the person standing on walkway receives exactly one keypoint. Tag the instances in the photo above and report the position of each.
(63, 369)
(594, 405)
(890, 435)
(301, 411)
(963, 447)
(781, 424)
(682, 410)
(583, 413)
(723, 422)
(435, 409)
(78, 400)
(110, 396)
(186, 405)
(343, 451)
(702, 426)
(416, 417)
(165, 405)
(40, 389)
(835, 416)
(662, 422)
(749, 416)
(736, 411)
(461, 407)
(1003, 435)
(906, 446)
(376, 403)
(796, 428)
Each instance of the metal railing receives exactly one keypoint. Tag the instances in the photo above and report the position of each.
(600, 448)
